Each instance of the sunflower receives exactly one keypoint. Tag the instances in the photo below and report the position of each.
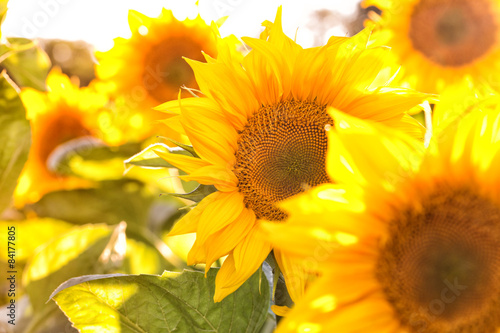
(407, 240)
(147, 69)
(440, 42)
(62, 114)
(260, 135)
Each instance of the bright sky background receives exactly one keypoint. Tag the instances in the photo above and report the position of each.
(99, 21)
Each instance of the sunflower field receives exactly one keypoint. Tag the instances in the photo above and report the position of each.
(335, 168)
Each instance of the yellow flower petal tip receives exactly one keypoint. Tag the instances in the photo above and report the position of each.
(281, 311)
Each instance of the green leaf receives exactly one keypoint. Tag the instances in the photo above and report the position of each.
(15, 136)
(167, 303)
(185, 147)
(35, 232)
(27, 63)
(148, 158)
(197, 194)
(87, 149)
(112, 202)
(13, 46)
(155, 162)
(75, 253)
(90, 158)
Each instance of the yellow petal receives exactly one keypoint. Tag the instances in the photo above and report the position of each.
(373, 314)
(226, 272)
(219, 214)
(350, 73)
(252, 251)
(311, 73)
(294, 274)
(173, 106)
(189, 105)
(136, 20)
(34, 101)
(275, 35)
(174, 125)
(384, 103)
(225, 240)
(197, 254)
(213, 138)
(229, 278)
(223, 178)
(351, 147)
(265, 65)
(341, 303)
(281, 311)
(232, 90)
(189, 222)
(186, 163)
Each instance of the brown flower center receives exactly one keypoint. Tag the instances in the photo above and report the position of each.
(56, 129)
(440, 268)
(281, 152)
(453, 32)
(165, 71)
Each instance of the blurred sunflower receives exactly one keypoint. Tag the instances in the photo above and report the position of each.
(260, 133)
(61, 115)
(147, 69)
(424, 231)
(440, 42)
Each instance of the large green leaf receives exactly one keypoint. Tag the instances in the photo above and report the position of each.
(26, 63)
(172, 302)
(35, 232)
(15, 137)
(110, 203)
(139, 258)
(75, 253)
(89, 149)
